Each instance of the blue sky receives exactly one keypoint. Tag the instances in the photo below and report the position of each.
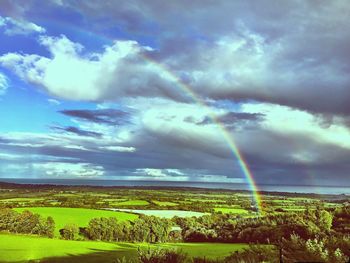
(92, 89)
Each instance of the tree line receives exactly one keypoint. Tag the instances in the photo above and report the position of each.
(317, 234)
(26, 223)
(149, 229)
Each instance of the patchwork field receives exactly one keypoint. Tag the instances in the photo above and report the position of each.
(228, 210)
(78, 216)
(21, 200)
(162, 203)
(133, 203)
(36, 248)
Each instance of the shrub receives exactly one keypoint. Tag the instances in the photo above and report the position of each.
(253, 254)
(69, 232)
(161, 256)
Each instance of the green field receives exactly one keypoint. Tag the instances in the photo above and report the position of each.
(227, 210)
(17, 248)
(205, 200)
(23, 200)
(132, 203)
(163, 203)
(78, 216)
(65, 195)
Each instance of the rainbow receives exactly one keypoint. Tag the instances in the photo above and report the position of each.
(225, 133)
(196, 98)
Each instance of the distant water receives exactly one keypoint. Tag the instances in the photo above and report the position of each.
(161, 213)
(210, 185)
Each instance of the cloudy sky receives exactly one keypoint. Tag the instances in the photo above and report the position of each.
(99, 90)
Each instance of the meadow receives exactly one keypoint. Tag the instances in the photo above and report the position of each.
(229, 210)
(195, 209)
(44, 249)
(77, 216)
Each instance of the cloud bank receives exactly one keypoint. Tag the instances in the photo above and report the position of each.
(275, 76)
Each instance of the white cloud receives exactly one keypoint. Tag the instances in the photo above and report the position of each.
(118, 148)
(69, 170)
(159, 174)
(4, 84)
(54, 102)
(152, 172)
(75, 147)
(19, 27)
(286, 120)
(120, 70)
(10, 157)
(180, 175)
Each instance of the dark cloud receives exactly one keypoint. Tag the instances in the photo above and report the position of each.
(273, 157)
(230, 119)
(77, 131)
(295, 54)
(103, 116)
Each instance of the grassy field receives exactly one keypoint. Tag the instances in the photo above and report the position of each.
(19, 248)
(66, 195)
(22, 200)
(133, 202)
(78, 216)
(163, 203)
(227, 210)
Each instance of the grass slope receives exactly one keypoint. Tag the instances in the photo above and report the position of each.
(78, 216)
(17, 248)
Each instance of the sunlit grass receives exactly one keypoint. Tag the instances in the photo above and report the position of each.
(19, 248)
(163, 203)
(227, 210)
(78, 216)
(132, 203)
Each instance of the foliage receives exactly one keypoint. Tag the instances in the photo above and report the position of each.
(125, 260)
(254, 253)
(69, 232)
(161, 256)
(78, 216)
(149, 229)
(26, 223)
(297, 249)
(107, 229)
(341, 221)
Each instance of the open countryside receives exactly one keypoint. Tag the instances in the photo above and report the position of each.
(92, 224)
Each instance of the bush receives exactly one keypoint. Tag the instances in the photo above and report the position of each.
(69, 232)
(205, 260)
(297, 249)
(161, 256)
(26, 223)
(253, 254)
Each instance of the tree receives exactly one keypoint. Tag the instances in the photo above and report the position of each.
(69, 232)
(161, 256)
(325, 221)
(255, 253)
(50, 227)
(297, 249)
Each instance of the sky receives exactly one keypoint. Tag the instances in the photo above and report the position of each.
(127, 90)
